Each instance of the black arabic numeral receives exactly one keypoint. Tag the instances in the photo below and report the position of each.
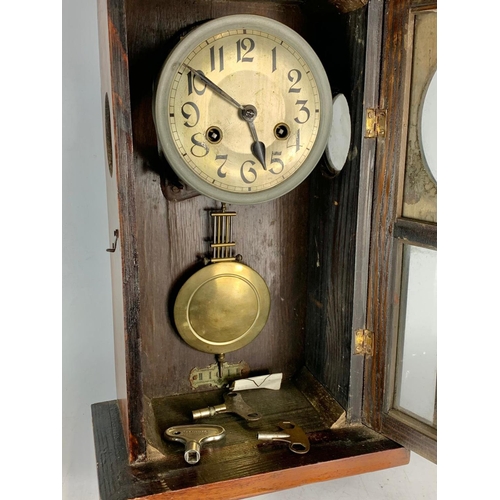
(250, 171)
(294, 79)
(279, 161)
(213, 58)
(304, 109)
(199, 144)
(192, 80)
(220, 173)
(241, 44)
(297, 145)
(273, 54)
(187, 115)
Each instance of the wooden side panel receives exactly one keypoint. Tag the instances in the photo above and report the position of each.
(121, 208)
(333, 212)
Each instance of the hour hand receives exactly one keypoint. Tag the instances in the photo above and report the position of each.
(258, 148)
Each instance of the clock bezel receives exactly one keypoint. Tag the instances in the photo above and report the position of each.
(162, 93)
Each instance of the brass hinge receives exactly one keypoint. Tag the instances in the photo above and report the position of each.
(375, 122)
(364, 342)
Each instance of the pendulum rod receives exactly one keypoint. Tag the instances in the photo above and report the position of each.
(222, 250)
(222, 246)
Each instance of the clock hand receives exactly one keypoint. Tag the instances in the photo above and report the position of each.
(258, 148)
(215, 88)
(248, 113)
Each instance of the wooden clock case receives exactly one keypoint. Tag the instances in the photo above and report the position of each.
(312, 246)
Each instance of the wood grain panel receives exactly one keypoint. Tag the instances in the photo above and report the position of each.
(114, 75)
(375, 17)
(332, 234)
(382, 299)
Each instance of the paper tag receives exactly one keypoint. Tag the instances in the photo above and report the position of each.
(272, 382)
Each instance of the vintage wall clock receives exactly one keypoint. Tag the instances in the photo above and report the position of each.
(228, 105)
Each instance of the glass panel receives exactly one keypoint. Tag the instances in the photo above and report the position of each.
(420, 185)
(417, 356)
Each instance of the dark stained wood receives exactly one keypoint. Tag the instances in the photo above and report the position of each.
(375, 18)
(345, 6)
(333, 219)
(286, 404)
(414, 232)
(320, 399)
(417, 436)
(121, 206)
(381, 292)
(304, 402)
(238, 467)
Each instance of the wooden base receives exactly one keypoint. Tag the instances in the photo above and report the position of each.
(240, 466)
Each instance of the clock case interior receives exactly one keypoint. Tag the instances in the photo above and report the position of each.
(303, 244)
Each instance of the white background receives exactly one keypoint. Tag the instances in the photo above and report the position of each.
(33, 337)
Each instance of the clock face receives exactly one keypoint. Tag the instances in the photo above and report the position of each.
(242, 109)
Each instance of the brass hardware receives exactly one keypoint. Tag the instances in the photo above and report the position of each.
(296, 438)
(210, 376)
(222, 245)
(364, 342)
(233, 403)
(237, 258)
(113, 246)
(193, 437)
(376, 120)
(223, 235)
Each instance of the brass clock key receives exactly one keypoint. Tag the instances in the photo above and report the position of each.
(194, 437)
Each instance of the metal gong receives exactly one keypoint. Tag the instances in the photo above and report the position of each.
(222, 307)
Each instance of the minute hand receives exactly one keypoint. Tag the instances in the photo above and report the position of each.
(215, 88)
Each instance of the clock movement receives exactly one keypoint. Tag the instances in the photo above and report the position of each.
(255, 155)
